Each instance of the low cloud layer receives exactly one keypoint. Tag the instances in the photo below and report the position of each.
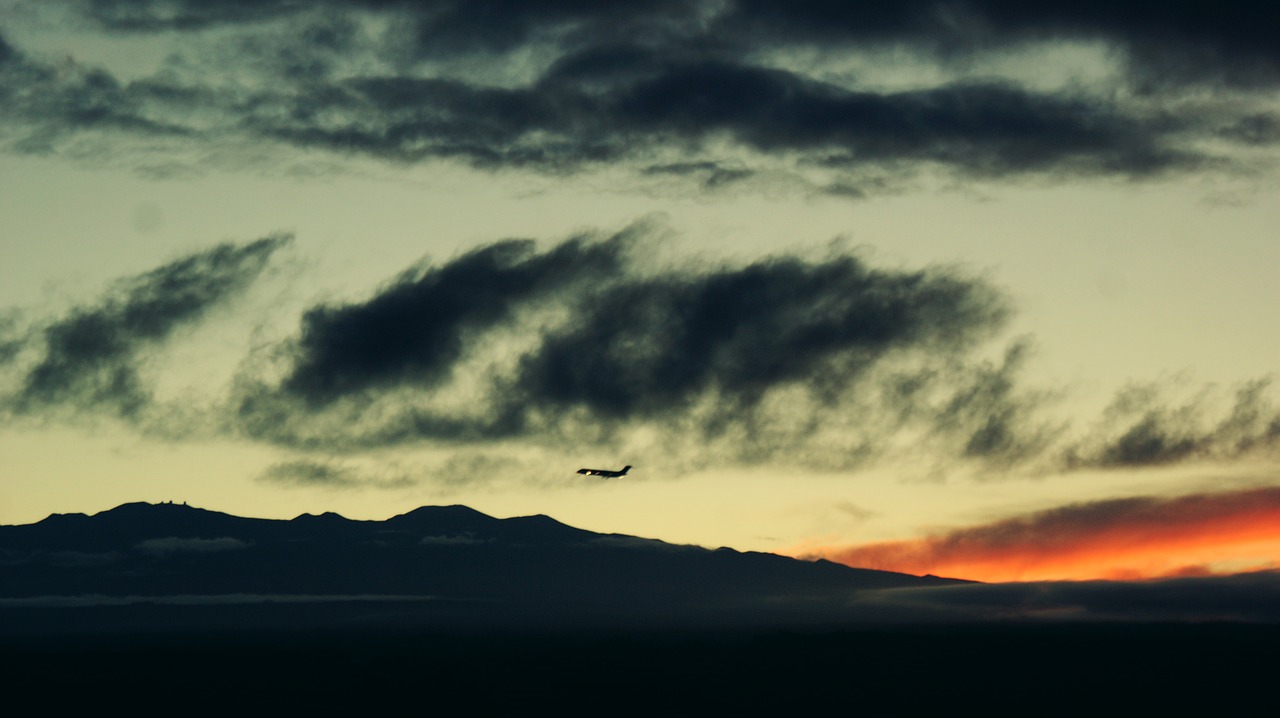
(173, 545)
(1132, 538)
(717, 92)
(1249, 597)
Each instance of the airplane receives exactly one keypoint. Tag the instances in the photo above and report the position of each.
(605, 473)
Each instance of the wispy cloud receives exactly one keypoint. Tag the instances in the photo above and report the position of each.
(1148, 425)
(88, 358)
(308, 473)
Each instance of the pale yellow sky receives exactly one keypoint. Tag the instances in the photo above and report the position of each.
(1114, 284)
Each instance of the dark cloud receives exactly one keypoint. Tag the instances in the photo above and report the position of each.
(823, 361)
(1200, 41)
(415, 330)
(828, 362)
(1196, 40)
(1146, 425)
(585, 341)
(606, 106)
(650, 346)
(679, 89)
(1230, 28)
(89, 356)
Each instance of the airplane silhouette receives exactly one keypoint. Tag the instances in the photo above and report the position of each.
(605, 473)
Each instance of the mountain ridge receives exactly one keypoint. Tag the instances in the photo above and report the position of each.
(456, 564)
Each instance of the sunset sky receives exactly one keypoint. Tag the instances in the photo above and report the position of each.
(980, 289)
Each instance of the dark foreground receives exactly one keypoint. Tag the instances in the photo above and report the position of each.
(162, 609)
(992, 669)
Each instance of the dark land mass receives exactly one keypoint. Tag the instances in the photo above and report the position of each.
(167, 608)
(170, 566)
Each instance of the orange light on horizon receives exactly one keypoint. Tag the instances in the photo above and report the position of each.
(1135, 538)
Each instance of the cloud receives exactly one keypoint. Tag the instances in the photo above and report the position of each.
(990, 414)
(650, 345)
(823, 361)
(1140, 537)
(43, 104)
(1226, 40)
(1249, 597)
(90, 356)
(464, 539)
(1146, 426)
(587, 342)
(164, 15)
(12, 340)
(705, 92)
(175, 545)
(414, 331)
(309, 473)
(622, 105)
(1229, 30)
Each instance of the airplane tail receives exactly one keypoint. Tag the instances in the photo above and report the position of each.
(626, 468)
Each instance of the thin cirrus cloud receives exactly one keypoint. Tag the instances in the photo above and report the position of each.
(1130, 538)
(308, 473)
(704, 91)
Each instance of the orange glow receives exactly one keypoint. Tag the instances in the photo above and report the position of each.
(1134, 538)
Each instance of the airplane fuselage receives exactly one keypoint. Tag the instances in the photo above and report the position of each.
(605, 473)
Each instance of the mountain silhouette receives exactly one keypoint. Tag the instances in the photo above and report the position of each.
(442, 566)
(167, 607)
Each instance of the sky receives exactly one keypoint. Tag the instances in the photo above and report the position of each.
(980, 289)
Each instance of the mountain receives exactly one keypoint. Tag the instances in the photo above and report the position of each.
(167, 607)
(436, 566)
